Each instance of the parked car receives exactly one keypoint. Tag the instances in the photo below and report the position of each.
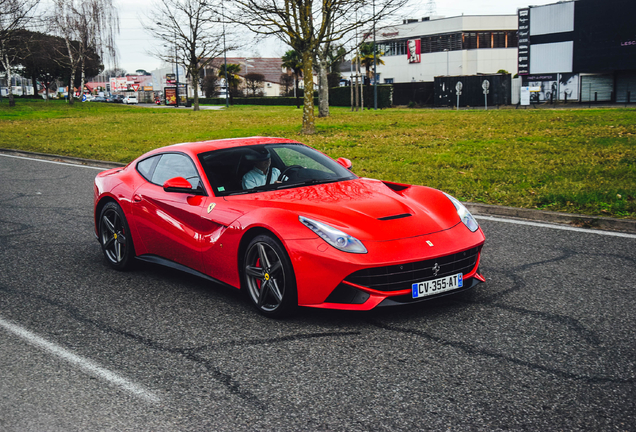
(99, 99)
(129, 100)
(287, 225)
(114, 98)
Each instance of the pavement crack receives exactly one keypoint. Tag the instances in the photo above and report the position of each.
(191, 353)
(482, 351)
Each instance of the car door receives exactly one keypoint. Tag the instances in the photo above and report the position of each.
(170, 223)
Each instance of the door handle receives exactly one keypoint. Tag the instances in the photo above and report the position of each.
(136, 198)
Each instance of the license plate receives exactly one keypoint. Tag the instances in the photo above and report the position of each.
(435, 286)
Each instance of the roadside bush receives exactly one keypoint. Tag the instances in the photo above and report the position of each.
(283, 101)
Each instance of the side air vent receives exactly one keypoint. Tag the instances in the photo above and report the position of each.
(400, 216)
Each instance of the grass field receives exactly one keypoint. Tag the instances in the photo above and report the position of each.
(574, 160)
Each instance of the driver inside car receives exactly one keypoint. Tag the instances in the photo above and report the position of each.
(261, 173)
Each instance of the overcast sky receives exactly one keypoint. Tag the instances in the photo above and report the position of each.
(134, 43)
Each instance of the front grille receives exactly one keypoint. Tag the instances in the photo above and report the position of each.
(402, 276)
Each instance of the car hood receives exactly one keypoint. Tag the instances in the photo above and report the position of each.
(364, 208)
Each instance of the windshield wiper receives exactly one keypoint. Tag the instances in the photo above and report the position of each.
(311, 182)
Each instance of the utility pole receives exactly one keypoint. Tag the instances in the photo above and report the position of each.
(227, 87)
(375, 73)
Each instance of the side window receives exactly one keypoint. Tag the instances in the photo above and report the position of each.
(147, 166)
(175, 165)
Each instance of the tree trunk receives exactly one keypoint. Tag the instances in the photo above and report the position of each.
(7, 68)
(195, 87)
(69, 92)
(82, 79)
(195, 71)
(323, 96)
(309, 126)
(351, 85)
(34, 80)
(297, 90)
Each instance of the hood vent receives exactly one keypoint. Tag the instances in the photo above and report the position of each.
(400, 216)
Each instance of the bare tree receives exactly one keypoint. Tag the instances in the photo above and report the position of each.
(287, 82)
(87, 26)
(254, 83)
(193, 28)
(14, 15)
(307, 25)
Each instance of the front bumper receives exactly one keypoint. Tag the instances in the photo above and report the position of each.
(323, 274)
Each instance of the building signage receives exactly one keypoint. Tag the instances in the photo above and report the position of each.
(544, 77)
(170, 95)
(525, 96)
(414, 50)
(118, 84)
(524, 42)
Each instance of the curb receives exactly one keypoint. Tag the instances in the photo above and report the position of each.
(576, 220)
(65, 159)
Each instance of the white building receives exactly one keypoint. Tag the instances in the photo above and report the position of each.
(463, 45)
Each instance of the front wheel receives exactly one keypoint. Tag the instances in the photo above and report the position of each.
(268, 277)
(115, 238)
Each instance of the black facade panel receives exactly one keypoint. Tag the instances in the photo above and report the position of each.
(420, 93)
(472, 90)
(604, 35)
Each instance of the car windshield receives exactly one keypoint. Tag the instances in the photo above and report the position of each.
(252, 169)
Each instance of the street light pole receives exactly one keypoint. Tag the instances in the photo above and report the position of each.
(375, 72)
(176, 66)
(227, 87)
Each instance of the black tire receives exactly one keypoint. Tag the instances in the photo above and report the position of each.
(115, 238)
(268, 278)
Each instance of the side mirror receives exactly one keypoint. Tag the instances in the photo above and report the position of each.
(345, 162)
(179, 184)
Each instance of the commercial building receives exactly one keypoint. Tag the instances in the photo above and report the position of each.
(582, 50)
(420, 50)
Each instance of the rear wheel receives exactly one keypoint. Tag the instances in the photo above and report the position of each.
(268, 277)
(114, 236)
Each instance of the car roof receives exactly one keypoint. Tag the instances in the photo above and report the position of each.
(195, 148)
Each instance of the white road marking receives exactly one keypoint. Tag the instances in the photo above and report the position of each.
(558, 227)
(54, 162)
(86, 365)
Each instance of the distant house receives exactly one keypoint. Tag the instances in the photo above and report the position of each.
(270, 68)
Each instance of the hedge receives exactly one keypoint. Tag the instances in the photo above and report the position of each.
(338, 96)
(276, 100)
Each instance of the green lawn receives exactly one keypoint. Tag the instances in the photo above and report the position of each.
(575, 160)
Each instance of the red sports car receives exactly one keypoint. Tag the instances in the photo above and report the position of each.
(287, 225)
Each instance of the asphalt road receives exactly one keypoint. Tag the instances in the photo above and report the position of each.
(547, 344)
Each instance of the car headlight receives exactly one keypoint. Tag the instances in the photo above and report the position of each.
(336, 238)
(464, 214)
